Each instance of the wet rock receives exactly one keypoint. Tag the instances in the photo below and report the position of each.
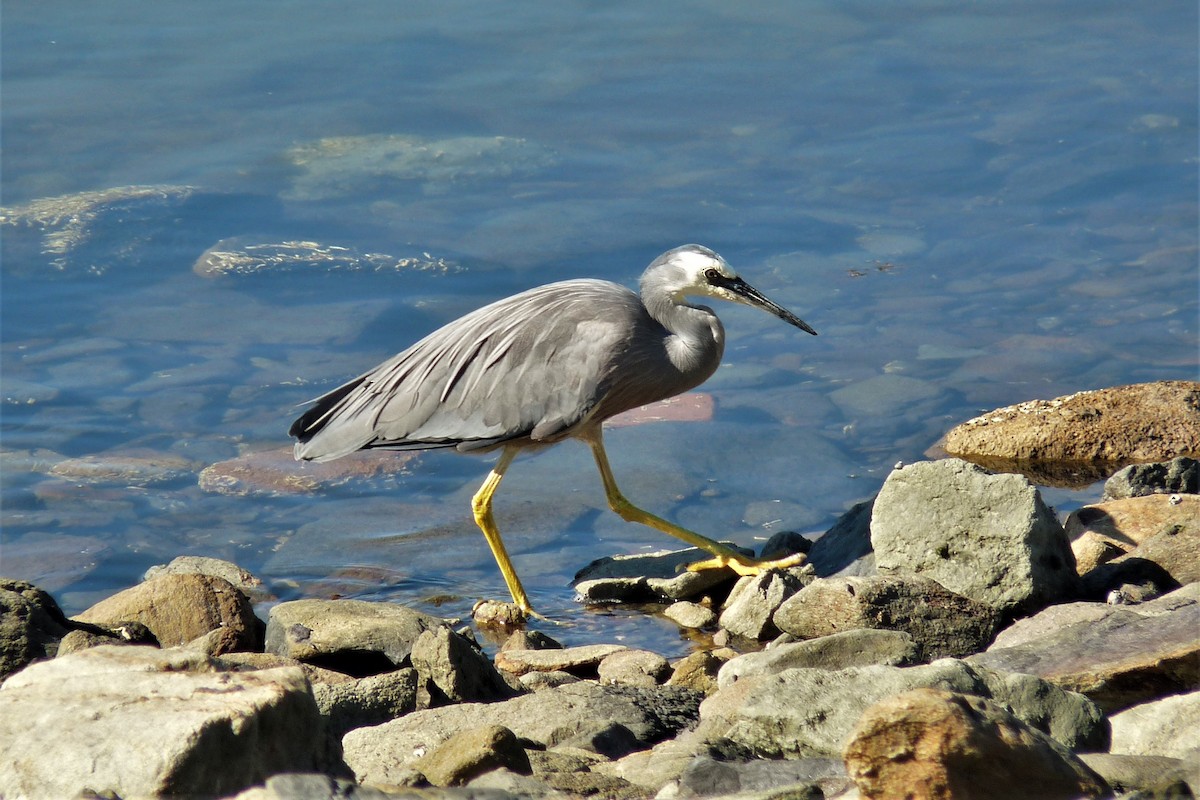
(633, 668)
(356, 637)
(1166, 727)
(845, 549)
(141, 722)
(1177, 476)
(275, 473)
(31, 625)
(809, 712)
(650, 578)
(937, 744)
(941, 623)
(245, 582)
(582, 712)
(456, 670)
(243, 256)
(987, 537)
(498, 616)
(686, 614)
(180, 608)
(860, 647)
(750, 609)
(471, 753)
(583, 660)
(356, 703)
(1123, 424)
(1116, 655)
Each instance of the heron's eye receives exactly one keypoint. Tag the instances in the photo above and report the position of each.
(711, 274)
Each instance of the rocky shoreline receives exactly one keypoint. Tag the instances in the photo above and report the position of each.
(951, 638)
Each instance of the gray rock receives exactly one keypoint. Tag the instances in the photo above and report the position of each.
(583, 660)
(845, 549)
(456, 669)
(471, 753)
(751, 606)
(633, 668)
(939, 744)
(179, 608)
(357, 637)
(855, 648)
(315, 786)
(987, 537)
(784, 544)
(803, 779)
(579, 712)
(537, 681)
(690, 615)
(942, 624)
(357, 703)
(811, 712)
(1166, 727)
(1180, 475)
(649, 578)
(1068, 717)
(139, 722)
(31, 625)
(883, 394)
(1119, 656)
(1126, 773)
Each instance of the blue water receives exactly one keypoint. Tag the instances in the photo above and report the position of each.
(974, 204)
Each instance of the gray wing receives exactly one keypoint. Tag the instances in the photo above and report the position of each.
(534, 365)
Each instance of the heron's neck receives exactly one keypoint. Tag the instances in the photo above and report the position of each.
(698, 338)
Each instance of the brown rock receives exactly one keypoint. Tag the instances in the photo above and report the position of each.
(1122, 425)
(1133, 520)
(697, 671)
(471, 753)
(180, 608)
(931, 743)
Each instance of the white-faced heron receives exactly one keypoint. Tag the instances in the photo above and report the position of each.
(544, 365)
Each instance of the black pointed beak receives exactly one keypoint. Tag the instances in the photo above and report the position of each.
(757, 299)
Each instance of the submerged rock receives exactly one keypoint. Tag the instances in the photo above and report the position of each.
(242, 256)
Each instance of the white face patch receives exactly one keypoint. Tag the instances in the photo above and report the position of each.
(694, 264)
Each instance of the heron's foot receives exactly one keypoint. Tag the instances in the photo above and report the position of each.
(747, 565)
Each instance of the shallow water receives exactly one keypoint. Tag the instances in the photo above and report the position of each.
(974, 205)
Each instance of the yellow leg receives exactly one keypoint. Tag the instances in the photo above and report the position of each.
(481, 505)
(722, 556)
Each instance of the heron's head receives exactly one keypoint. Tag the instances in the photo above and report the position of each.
(693, 270)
